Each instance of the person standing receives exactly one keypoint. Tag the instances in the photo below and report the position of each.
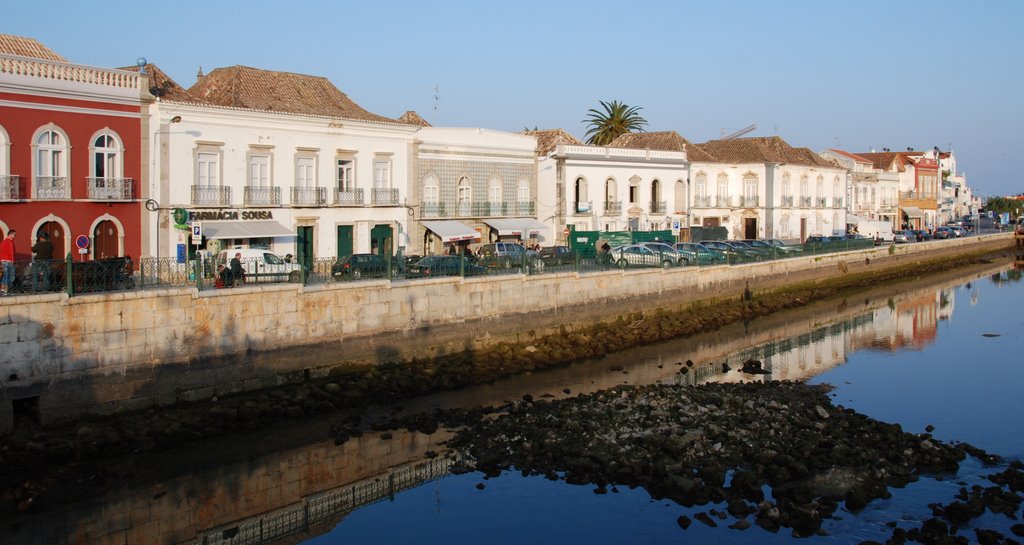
(7, 261)
(42, 264)
(237, 275)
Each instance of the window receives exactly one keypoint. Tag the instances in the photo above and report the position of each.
(609, 190)
(465, 191)
(634, 189)
(381, 173)
(786, 189)
(701, 188)
(346, 176)
(50, 150)
(207, 167)
(523, 191)
(431, 193)
(259, 170)
(305, 173)
(820, 188)
(494, 191)
(106, 156)
(50, 156)
(750, 187)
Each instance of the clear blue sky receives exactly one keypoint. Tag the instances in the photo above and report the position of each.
(855, 75)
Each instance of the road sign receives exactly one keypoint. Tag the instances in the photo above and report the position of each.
(565, 233)
(81, 242)
(197, 233)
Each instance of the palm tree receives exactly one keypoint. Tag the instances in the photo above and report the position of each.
(616, 119)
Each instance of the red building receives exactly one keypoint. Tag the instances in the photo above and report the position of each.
(70, 152)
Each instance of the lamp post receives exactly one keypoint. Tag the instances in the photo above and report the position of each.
(152, 204)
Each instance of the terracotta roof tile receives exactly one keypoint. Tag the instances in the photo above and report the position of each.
(854, 156)
(763, 149)
(886, 159)
(255, 89)
(161, 85)
(665, 141)
(27, 47)
(548, 139)
(413, 118)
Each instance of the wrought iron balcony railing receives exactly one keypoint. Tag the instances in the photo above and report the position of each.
(805, 202)
(309, 196)
(261, 195)
(659, 207)
(384, 196)
(432, 210)
(702, 202)
(110, 189)
(211, 195)
(582, 207)
(837, 202)
(787, 201)
(822, 202)
(751, 201)
(612, 208)
(10, 187)
(350, 197)
(52, 188)
(723, 202)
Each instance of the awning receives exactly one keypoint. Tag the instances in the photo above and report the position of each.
(912, 211)
(452, 231)
(854, 220)
(517, 226)
(245, 229)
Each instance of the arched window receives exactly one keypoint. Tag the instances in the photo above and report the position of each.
(750, 190)
(723, 190)
(610, 194)
(494, 195)
(787, 190)
(431, 191)
(679, 202)
(700, 190)
(106, 167)
(465, 197)
(657, 205)
(581, 203)
(820, 190)
(837, 196)
(9, 187)
(805, 192)
(523, 203)
(51, 164)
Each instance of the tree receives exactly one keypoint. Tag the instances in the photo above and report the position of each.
(616, 119)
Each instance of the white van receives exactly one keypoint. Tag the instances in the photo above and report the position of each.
(262, 265)
(880, 231)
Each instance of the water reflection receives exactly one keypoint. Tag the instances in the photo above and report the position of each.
(289, 485)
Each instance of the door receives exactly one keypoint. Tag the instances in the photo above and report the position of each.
(105, 240)
(380, 240)
(750, 228)
(344, 240)
(803, 229)
(56, 234)
(304, 246)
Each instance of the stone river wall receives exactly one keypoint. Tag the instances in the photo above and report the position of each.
(62, 357)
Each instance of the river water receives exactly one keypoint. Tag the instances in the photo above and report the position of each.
(938, 351)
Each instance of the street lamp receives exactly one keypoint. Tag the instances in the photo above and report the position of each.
(152, 204)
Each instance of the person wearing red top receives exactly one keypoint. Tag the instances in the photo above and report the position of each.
(7, 260)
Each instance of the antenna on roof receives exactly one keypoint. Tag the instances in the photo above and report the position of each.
(437, 98)
(741, 132)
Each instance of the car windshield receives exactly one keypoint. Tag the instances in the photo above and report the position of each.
(272, 259)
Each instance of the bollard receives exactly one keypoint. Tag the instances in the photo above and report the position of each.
(69, 283)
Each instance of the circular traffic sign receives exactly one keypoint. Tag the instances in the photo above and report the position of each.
(565, 233)
(81, 242)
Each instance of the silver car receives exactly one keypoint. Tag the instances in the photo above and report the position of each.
(638, 255)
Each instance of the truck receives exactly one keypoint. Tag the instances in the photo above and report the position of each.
(880, 231)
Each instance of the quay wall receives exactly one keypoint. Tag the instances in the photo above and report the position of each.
(64, 357)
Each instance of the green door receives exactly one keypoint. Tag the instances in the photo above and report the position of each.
(380, 240)
(344, 240)
(304, 247)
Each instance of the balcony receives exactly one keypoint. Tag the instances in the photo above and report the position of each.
(837, 202)
(750, 201)
(582, 207)
(612, 208)
(805, 202)
(384, 196)
(821, 202)
(211, 195)
(52, 188)
(723, 202)
(702, 202)
(261, 195)
(349, 197)
(659, 207)
(432, 210)
(10, 187)
(787, 202)
(309, 196)
(110, 189)
(524, 209)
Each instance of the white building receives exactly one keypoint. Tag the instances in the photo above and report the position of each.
(637, 183)
(275, 160)
(873, 193)
(762, 187)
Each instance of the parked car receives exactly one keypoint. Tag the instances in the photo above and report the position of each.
(262, 265)
(755, 253)
(958, 230)
(733, 253)
(434, 266)
(356, 266)
(782, 246)
(901, 237)
(666, 250)
(944, 232)
(922, 234)
(694, 253)
(558, 255)
(638, 255)
(509, 255)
